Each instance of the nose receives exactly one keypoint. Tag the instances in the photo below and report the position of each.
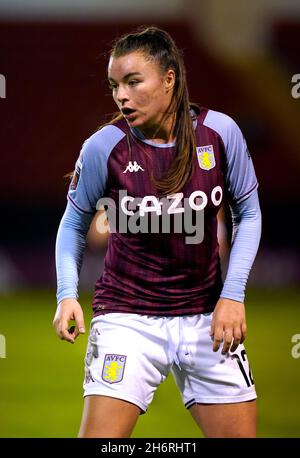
(122, 95)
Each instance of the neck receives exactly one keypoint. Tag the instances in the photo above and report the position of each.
(160, 133)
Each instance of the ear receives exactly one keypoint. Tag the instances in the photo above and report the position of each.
(170, 80)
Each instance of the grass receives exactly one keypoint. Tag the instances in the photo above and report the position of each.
(41, 376)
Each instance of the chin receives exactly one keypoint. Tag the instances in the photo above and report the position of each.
(133, 123)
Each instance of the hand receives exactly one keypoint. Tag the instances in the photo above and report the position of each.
(69, 309)
(228, 325)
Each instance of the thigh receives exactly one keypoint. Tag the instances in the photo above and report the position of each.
(208, 377)
(226, 420)
(125, 359)
(108, 417)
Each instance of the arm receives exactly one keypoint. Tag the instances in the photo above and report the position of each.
(246, 221)
(84, 188)
(87, 186)
(229, 314)
(70, 244)
(228, 322)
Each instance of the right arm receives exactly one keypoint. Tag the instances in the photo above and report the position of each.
(87, 187)
(70, 244)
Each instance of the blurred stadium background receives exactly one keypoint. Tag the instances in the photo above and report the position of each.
(240, 59)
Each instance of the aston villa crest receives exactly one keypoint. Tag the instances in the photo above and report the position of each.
(206, 157)
(113, 368)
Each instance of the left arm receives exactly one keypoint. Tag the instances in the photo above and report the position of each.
(229, 321)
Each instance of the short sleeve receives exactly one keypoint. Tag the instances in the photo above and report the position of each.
(239, 171)
(90, 176)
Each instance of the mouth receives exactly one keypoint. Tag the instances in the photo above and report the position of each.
(128, 112)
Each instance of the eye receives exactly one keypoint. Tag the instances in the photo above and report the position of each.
(133, 83)
(112, 86)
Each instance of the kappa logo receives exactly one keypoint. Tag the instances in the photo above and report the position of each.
(206, 157)
(113, 368)
(133, 167)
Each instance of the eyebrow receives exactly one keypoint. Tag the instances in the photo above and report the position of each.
(127, 76)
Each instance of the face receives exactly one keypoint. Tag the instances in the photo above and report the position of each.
(140, 90)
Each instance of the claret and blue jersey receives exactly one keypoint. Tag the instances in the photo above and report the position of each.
(159, 273)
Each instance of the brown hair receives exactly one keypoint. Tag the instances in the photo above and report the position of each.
(159, 45)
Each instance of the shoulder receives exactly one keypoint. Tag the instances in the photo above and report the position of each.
(221, 123)
(102, 142)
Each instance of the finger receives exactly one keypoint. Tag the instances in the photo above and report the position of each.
(64, 332)
(244, 332)
(212, 327)
(237, 335)
(79, 321)
(75, 332)
(218, 338)
(66, 335)
(227, 341)
(56, 325)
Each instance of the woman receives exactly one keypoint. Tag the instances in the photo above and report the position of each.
(161, 168)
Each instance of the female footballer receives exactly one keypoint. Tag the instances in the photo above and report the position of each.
(161, 170)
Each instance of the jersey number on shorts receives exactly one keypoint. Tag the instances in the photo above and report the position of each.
(248, 378)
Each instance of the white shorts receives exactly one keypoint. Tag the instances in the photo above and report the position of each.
(129, 355)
